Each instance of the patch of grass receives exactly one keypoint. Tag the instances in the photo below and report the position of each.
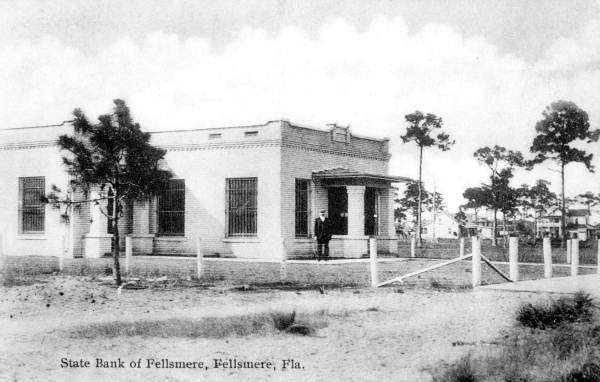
(207, 327)
(565, 309)
(556, 341)
(282, 320)
(460, 371)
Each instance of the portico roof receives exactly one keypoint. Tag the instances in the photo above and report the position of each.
(342, 176)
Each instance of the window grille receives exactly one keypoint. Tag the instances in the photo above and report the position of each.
(302, 198)
(31, 206)
(171, 208)
(240, 212)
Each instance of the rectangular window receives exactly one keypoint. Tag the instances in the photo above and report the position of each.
(171, 208)
(302, 197)
(250, 133)
(31, 206)
(241, 199)
(214, 136)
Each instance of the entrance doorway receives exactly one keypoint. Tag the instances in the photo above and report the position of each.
(338, 210)
(371, 211)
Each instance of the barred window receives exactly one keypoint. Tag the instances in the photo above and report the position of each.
(240, 196)
(31, 206)
(302, 197)
(171, 208)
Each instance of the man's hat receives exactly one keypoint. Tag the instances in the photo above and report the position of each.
(323, 211)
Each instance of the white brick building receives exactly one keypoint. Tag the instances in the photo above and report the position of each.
(243, 191)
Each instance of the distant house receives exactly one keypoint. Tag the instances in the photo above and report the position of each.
(578, 224)
(444, 226)
(484, 227)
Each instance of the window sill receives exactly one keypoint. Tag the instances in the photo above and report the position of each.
(171, 238)
(241, 239)
(31, 236)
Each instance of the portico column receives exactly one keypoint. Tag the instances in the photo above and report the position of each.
(387, 241)
(356, 210)
(142, 239)
(97, 240)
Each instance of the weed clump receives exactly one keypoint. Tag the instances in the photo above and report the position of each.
(462, 370)
(564, 310)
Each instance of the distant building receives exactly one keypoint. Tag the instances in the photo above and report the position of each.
(445, 226)
(578, 224)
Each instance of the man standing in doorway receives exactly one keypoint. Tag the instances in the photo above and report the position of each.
(323, 235)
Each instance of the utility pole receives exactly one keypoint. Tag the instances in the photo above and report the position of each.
(434, 213)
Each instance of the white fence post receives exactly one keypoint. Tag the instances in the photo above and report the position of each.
(476, 260)
(199, 257)
(547, 248)
(128, 253)
(413, 243)
(462, 247)
(61, 257)
(598, 258)
(283, 265)
(569, 245)
(513, 258)
(574, 257)
(373, 261)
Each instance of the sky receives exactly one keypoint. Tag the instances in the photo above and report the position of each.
(488, 68)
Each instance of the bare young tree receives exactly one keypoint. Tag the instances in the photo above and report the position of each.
(421, 130)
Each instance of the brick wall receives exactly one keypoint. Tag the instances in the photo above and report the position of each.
(305, 151)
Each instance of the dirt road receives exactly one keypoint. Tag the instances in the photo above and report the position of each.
(372, 335)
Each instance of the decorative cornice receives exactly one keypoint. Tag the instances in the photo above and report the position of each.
(351, 152)
(222, 145)
(28, 145)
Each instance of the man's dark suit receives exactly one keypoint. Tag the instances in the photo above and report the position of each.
(323, 233)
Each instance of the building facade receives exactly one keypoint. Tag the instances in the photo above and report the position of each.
(247, 191)
(578, 224)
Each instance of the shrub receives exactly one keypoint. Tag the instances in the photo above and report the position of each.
(564, 310)
(589, 372)
(461, 371)
(282, 320)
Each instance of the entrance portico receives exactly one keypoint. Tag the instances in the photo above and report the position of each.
(359, 206)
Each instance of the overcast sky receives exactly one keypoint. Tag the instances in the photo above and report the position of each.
(487, 67)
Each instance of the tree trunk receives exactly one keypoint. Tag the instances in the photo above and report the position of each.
(419, 222)
(563, 220)
(115, 250)
(505, 230)
(494, 226)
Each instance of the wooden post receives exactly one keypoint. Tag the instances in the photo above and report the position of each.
(547, 248)
(462, 247)
(569, 246)
(476, 261)
(598, 258)
(412, 246)
(128, 253)
(513, 258)
(283, 265)
(574, 257)
(373, 262)
(199, 257)
(61, 257)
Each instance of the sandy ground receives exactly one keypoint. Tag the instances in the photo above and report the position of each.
(372, 335)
